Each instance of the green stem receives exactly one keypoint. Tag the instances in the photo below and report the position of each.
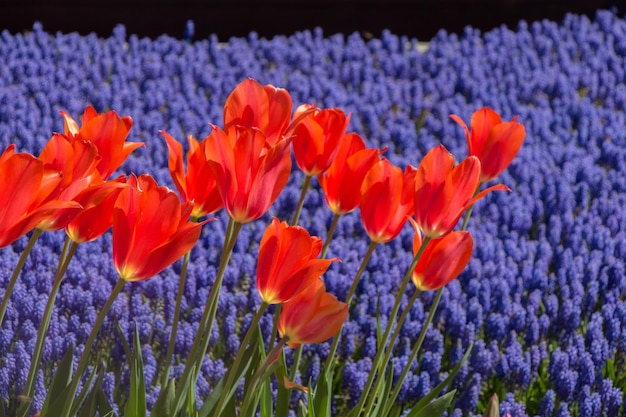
(297, 355)
(230, 381)
(351, 291)
(82, 363)
(329, 235)
(305, 188)
(416, 348)
(274, 331)
(201, 341)
(16, 273)
(392, 341)
(377, 364)
(64, 262)
(179, 299)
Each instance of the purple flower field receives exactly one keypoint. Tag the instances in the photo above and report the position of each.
(543, 300)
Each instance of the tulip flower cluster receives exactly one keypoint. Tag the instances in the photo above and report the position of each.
(243, 168)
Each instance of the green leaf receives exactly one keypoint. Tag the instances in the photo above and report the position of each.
(266, 399)
(302, 409)
(283, 396)
(435, 391)
(383, 393)
(379, 330)
(324, 391)
(310, 408)
(90, 407)
(164, 405)
(2, 408)
(434, 409)
(136, 404)
(60, 383)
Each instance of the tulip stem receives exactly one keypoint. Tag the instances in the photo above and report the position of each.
(84, 357)
(201, 341)
(16, 273)
(305, 188)
(179, 298)
(329, 235)
(468, 212)
(416, 347)
(392, 341)
(64, 261)
(377, 364)
(230, 381)
(351, 291)
(279, 308)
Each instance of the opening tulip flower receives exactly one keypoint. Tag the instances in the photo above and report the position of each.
(253, 106)
(387, 196)
(316, 137)
(198, 186)
(342, 180)
(312, 316)
(25, 186)
(287, 262)
(444, 191)
(150, 229)
(250, 171)
(108, 132)
(494, 142)
(442, 260)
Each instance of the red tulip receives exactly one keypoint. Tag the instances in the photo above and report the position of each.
(287, 262)
(492, 141)
(150, 229)
(312, 316)
(316, 138)
(76, 160)
(443, 259)
(108, 132)
(444, 191)
(96, 217)
(250, 172)
(198, 186)
(386, 200)
(24, 189)
(267, 109)
(342, 180)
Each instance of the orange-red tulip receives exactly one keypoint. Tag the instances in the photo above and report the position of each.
(316, 137)
(386, 200)
(24, 189)
(312, 316)
(96, 217)
(76, 160)
(492, 141)
(198, 186)
(444, 191)
(254, 106)
(108, 132)
(287, 262)
(443, 259)
(250, 172)
(150, 229)
(342, 180)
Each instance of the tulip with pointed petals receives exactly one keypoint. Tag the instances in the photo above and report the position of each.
(198, 185)
(492, 141)
(265, 108)
(312, 316)
(108, 132)
(250, 172)
(287, 262)
(76, 160)
(316, 137)
(342, 180)
(25, 186)
(443, 258)
(151, 229)
(96, 217)
(444, 191)
(386, 200)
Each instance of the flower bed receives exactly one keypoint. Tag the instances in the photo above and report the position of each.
(543, 299)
